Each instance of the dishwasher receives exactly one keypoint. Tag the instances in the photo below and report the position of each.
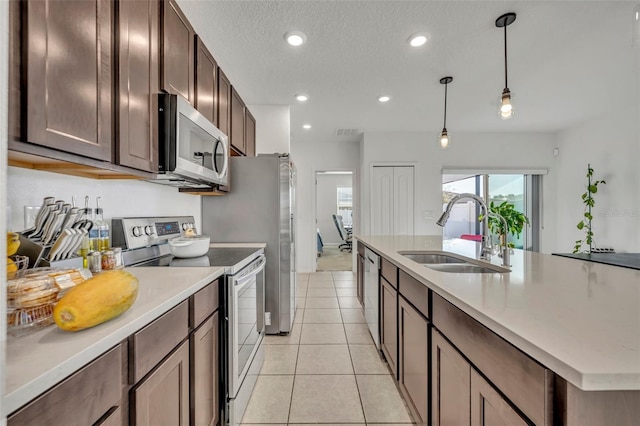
(371, 294)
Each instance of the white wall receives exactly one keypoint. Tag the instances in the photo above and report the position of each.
(484, 151)
(310, 158)
(327, 205)
(611, 144)
(273, 132)
(118, 197)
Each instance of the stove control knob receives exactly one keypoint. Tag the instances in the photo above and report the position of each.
(137, 231)
(148, 230)
(185, 226)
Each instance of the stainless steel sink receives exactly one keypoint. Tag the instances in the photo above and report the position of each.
(449, 262)
(431, 257)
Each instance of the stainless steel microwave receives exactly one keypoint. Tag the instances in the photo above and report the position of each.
(193, 152)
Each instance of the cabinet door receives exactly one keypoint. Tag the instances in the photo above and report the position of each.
(450, 384)
(488, 408)
(178, 38)
(162, 398)
(237, 122)
(224, 103)
(68, 50)
(389, 324)
(138, 84)
(204, 374)
(249, 133)
(206, 82)
(360, 279)
(414, 359)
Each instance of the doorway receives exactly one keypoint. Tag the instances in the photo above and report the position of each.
(334, 203)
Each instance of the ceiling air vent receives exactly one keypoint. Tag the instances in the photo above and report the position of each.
(346, 132)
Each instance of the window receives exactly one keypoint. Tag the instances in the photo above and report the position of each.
(345, 204)
(522, 190)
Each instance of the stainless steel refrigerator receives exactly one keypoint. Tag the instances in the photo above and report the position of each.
(260, 208)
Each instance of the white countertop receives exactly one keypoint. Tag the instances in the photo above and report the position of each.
(39, 360)
(579, 319)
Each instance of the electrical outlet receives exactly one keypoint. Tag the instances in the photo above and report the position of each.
(267, 318)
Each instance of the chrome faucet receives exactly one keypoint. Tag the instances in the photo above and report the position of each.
(485, 253)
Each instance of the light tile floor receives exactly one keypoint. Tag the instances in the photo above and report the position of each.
(327, 370)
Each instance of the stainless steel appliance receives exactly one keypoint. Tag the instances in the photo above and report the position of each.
(193, 152)
(371, 296)
(243, 304)
(260, 207)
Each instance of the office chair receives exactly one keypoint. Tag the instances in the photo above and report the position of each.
(344, 235)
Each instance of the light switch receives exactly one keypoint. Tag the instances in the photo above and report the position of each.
(428, 215)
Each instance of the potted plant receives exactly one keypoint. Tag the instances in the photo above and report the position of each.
(515, 221)
(589, 202)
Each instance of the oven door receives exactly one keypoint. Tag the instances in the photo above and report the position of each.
(246, 321)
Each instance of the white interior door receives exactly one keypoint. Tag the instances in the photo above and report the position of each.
(392, 200)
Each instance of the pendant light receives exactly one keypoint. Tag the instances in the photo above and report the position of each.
(444, 136)
(506, 109)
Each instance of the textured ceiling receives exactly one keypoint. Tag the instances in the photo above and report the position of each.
(569, 61)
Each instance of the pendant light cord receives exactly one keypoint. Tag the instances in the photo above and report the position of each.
(445, 105)
(505, 58)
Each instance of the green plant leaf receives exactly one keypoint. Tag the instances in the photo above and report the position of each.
(588, 215)
(580, 225)
(593, 188)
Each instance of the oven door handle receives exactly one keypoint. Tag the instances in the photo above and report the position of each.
(240, 281)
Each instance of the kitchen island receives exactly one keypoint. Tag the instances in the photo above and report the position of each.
(39, 360)
(578, 320)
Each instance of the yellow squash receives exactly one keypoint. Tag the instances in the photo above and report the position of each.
(99, 299)
(13, 243)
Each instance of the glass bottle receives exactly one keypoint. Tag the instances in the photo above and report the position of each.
(104, 240)
(85, 246)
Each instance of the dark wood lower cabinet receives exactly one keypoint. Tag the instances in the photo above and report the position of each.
(389, 324)
(205, 409)
(162, 398)
(488, 407)
(451, 392)
(413, 342)
(89, 396)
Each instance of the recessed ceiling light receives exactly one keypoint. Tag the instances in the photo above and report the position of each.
(306, 126)
(384, 98)
(417, 40)
(295, 38)
(302, 98)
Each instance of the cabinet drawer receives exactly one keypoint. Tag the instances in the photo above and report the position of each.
(521, 379)
(389, 271)
(156, 340)
(203, 304)
(415, 292)
(81, 399)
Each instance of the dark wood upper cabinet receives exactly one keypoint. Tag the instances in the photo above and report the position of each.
(138, 30)
(237, 122)
(206, 82)
(224, 103)
(249, 133)
(68, 52)
(177, 38)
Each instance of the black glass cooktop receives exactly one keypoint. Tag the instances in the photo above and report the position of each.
(219, 256)
(625, 260)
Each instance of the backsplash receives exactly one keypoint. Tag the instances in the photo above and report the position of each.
(118, 198)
